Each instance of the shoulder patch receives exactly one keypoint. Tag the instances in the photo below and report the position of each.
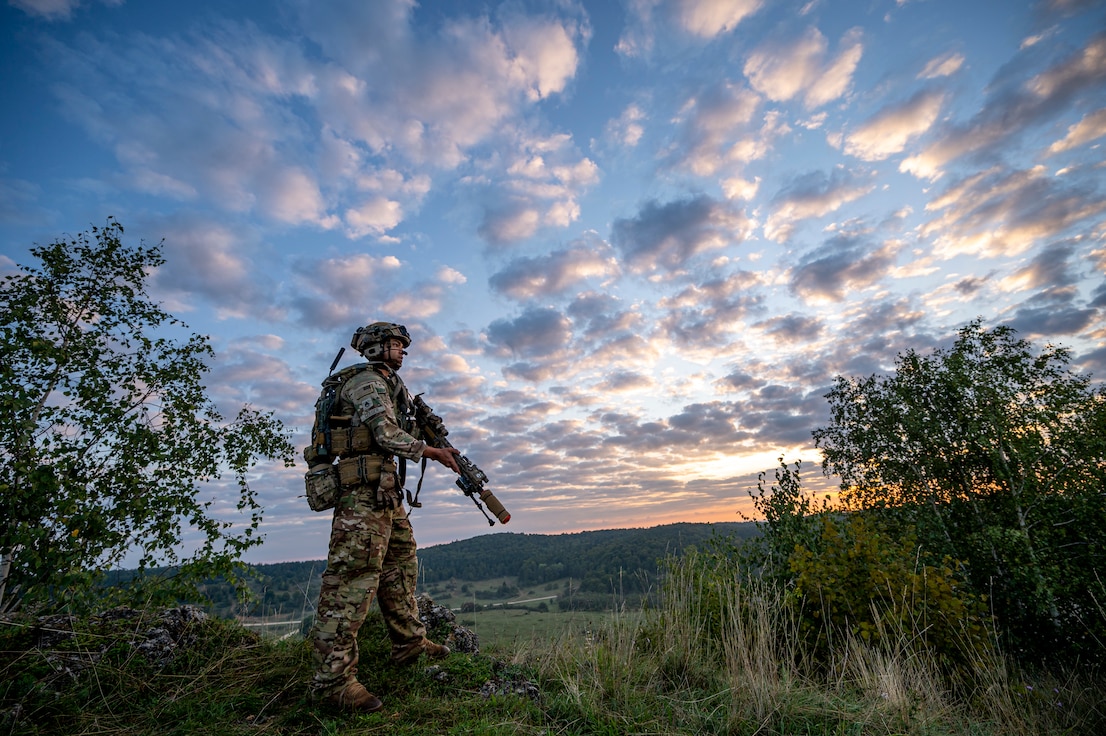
(370, 408)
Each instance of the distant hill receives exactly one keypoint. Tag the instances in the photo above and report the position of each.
(627, 559)
(594, 558)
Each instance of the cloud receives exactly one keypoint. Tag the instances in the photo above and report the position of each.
(1053, 312)
(433, 95)
(1010, 109)
(538, 332)
(813, 195)
(781, 417)
(738, 188)
(627, 129)
(1049, 269)
(665, 237)
(377, 215)
(338, 291)
(998, 212)
(717, 130)
(1069, 7)
(380, 198)
(793, 328)
(707, 314)
(19, 202)
(554, 273)
(651, 21)
(1091, 127)
(210, 266)
(710, 18)
(544, 53)
(616, 334)
(944, 65)
(1076, 73)
(293, 127)
(1057, 307)
(537, 182)
(840, 267)
(448, 275)
(246, 372)
(53, 9)
(802, 67)
(625, 381)
(888, 132)
(421, 301)
(196, 117)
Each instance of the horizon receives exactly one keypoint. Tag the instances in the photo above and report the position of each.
(633, 242)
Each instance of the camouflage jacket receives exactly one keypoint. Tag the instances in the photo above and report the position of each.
(378, 399)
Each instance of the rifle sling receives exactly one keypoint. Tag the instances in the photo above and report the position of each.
(413, 501)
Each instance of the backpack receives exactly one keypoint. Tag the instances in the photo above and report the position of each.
(321, 481)
(322, 431)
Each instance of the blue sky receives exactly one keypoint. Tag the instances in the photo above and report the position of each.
(634, 241)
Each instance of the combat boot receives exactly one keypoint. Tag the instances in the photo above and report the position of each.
(354, 696)
(408, 653)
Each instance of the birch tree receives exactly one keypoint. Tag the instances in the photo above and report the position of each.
(109, 444)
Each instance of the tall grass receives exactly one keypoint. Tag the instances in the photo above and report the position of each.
(720, 652)
(723, 653)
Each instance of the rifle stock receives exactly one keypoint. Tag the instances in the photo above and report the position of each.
(471, 479)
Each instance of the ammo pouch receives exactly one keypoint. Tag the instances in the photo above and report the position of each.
(350, 440)
(376, 472)
(322, 486)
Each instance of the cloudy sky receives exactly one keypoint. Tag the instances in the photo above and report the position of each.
(634, 241)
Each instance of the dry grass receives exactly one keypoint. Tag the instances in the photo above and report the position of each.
(721, 654)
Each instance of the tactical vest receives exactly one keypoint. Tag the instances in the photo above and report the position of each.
(338, 434)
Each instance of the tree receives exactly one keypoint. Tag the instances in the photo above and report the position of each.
(995, 453)
(106, 433)
(791, 523)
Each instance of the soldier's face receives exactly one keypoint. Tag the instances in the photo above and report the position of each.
(393, 353)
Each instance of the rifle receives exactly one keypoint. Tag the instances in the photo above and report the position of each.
(472, 479)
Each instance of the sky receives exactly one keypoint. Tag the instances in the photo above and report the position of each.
(634, 242)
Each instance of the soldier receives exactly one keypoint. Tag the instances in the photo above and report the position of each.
(372, 545)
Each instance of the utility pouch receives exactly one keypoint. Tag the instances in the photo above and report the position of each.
(373, 471)
(322, 486)
(388, 495)
(351, 439)
(359, 470)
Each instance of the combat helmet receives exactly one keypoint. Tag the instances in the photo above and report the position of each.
(369, 340)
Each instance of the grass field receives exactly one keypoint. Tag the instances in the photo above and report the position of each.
(531, 614)
(514, 629)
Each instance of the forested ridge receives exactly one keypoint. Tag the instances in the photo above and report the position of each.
(594, 558)
(627, 559)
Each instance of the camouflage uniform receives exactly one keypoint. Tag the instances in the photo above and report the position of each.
(372, 545)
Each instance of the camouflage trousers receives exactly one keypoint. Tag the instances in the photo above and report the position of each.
(372, 553)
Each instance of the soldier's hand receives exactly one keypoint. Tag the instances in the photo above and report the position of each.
(447, 456)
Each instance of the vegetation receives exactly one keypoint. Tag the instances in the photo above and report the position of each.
(953, 589)
(106, 432)
(721, 653)
(599, 560)
(991, 456)
(579, 571)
